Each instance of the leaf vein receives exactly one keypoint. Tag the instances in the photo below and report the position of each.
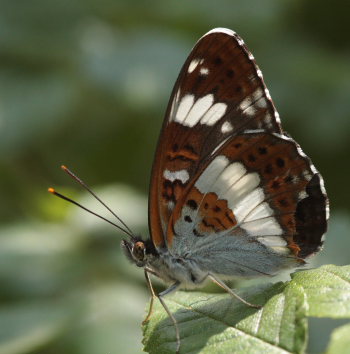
(228, 325)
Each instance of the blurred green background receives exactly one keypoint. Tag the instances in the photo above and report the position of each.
(86, 83)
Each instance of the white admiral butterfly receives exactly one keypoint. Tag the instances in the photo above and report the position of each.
(232, 195)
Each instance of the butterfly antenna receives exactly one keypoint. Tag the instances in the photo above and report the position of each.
(82, 183)
(53, 191)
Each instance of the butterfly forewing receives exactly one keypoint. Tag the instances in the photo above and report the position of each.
(219, 94)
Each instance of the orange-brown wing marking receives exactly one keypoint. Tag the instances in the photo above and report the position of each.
(214, 212)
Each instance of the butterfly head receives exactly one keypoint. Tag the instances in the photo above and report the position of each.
(137, 250)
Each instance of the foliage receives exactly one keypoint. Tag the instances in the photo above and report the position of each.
(218, 323)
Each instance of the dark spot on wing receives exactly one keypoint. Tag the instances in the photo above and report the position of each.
(251, 158)
(262, 150)
(217, 61)
(275, 184)
(189, 148)
(192, 204)
(215, 90)
(230, 73)
(288, 179)
(207, 224)
(283, 202)
(188, 218)
(196, 233)
(280, 162)
(229, 218)
(220, 223)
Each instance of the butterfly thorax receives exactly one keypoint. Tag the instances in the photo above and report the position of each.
(161, 263)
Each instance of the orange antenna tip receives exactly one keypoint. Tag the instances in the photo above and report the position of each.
(64, 167)
(51, 190)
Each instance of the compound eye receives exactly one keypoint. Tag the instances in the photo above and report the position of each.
(139, 250)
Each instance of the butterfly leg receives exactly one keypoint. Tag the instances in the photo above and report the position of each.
(232, 293)
(160, 297)
(153, 295)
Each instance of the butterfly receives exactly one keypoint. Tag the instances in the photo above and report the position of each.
(231, 194)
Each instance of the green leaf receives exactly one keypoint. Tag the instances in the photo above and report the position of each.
(327, 290)
(340, 340)
(219, 323)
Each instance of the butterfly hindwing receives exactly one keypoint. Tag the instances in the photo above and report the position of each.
(219, 93)
(255, 197)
